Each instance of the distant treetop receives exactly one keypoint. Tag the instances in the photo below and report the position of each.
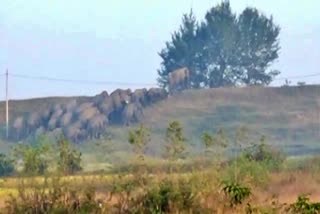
(224, 49)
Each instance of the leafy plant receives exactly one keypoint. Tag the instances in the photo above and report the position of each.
(176, 140)
(35, 158)
(6, 165)
(69, 159)
(236, 192)
(304, 206)
(139, 138)
(53, 196)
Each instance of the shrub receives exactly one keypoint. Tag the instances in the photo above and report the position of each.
(265, 154)
(304, 206)
(237, 193)
(6, 165)
(69, 160)
(53, 196)
(34, 158)
(170, 197)
(243, 169)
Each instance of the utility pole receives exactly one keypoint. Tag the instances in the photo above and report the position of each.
(7, 105)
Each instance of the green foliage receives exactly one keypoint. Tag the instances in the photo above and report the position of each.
(236, 192)
(139, 138)
(224, 49)
(208, 140)
(176, 140)
(214, 143)
(242, 169)
(69, 159)
(169, 197)
(304, 206)
(6, 165)
(53, 196)
(35, 158)
(265, 154)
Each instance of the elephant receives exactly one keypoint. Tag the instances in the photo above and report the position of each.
(156, 94)
(57, 113)
(34, 120)
(132, 113)
(53, 123)
(179, 77)
(71, 106)
(100, 98)
(88, 113)
(107, 106)
(120, 97)
(96, 125)
(19, 125)
(140, 95)
(66, 119)
(83, 107)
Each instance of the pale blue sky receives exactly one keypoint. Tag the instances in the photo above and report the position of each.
(118, 41)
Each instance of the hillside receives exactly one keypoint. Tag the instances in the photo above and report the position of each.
(288, 116)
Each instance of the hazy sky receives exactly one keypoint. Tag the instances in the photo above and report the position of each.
(118, 41)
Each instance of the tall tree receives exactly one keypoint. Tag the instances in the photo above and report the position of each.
(181, 51)
(258, 47)
(221, 36)
(224, 49)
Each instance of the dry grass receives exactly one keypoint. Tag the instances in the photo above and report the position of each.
(284, 186)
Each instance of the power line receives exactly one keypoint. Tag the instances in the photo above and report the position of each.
(78, 81)
(297, 77)
(94, 82)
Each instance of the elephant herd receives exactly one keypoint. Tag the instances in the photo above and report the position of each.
(82, 120)
(79, 120)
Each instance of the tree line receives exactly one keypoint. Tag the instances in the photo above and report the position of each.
(224, 49)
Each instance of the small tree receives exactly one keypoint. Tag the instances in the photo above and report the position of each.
(34, 158)
(219, 140)
(139, 138)
(6, 165)
(69, 160)
(176, 141)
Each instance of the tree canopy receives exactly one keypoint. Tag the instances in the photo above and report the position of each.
(225, 49)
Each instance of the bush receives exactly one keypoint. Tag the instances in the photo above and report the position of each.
(244, 169)
(264, 153)
(304, 206)
(53, 196)
(69, 160)
(34, 158)
(170, 197)
(6, 165)
(237, 193)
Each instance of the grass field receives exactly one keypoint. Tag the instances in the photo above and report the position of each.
(280, 189)
(288, 117)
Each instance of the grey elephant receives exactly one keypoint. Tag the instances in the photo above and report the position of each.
(120, 97)
(100, 98)
(96, 125)
(132, 113)
(65, 119)
(140, 96)
(179, 79)
(107, 106)
(19, 126)
(88, 113)
(156, 94)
